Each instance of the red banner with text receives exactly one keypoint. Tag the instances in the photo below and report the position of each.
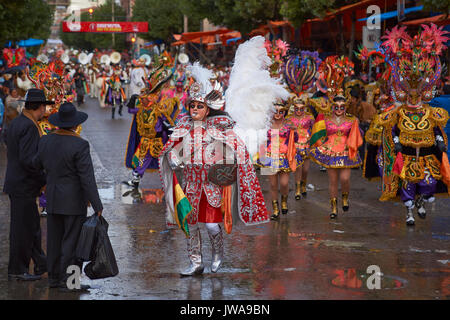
(105, 27)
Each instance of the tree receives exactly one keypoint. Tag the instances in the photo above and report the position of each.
(437, 5)
(90, 41)
(23, 19)
(164, 18)
(243, 16)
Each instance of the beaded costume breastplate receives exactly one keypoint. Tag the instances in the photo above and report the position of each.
(416, 126)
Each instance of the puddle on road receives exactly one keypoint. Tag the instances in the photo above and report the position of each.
(141, 195)
(106, 194)
(233, 270)
(359, 280)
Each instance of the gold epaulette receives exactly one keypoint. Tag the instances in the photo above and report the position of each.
(439, 115)
(388, 117)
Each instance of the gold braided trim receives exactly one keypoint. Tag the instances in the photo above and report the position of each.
(375, 131)
(414, 168)
(416, 126)
(146, 118)
(387, 118)
(439, 115)
(153, 145)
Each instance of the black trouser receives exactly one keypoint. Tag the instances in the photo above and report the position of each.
(364, 126)
(63, 232)
(25, 236)
(80, 96)
(113, 110)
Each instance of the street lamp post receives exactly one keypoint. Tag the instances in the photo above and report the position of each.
(113, 35)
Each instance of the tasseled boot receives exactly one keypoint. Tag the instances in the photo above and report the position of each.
(303, 188)
(284, 205)
(276, 210)
(334, 210)
(345, 204)
(298, 191)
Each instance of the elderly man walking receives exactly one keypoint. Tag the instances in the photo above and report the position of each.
(71, 185)
(23, 183)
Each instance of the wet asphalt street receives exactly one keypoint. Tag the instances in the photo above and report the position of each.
(304, 255)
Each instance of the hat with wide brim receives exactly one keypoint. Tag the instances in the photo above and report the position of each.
(36, 95)
(67, 116)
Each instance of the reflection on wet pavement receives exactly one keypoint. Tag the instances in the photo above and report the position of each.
(138, 195)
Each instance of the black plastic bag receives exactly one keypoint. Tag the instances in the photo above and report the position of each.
(85, 245)
(103, 264)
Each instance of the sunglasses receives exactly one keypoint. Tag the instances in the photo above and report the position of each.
(197, 106)
(336, 108)
(280, 112)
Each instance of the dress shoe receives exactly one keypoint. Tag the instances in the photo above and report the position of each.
(44, 212)
(24, 277)
(40, 270)
(56, 284)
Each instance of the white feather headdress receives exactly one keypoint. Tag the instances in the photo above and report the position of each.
(202, 89)
(252, 93)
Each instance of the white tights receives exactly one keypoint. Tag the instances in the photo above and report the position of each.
(212, 228)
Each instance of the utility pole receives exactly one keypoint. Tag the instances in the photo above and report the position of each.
(113, 34)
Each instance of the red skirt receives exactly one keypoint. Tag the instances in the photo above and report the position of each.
(207, 213)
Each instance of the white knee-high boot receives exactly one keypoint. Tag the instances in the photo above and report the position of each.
(194, 248)
(216, 238)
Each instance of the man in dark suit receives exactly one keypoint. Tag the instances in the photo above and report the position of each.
(71, 185)
(23, 183)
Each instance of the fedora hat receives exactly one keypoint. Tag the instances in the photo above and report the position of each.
(67, 116)
(36, 95)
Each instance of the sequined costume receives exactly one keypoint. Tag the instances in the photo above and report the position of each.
(379, 94)
(154, 114)
(275, 156)
(414, 143)
(334, 152)
(201, 148)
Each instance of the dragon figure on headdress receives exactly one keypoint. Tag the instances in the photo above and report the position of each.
(332, 73)
(300, 69)
(51, 78)
(379, 93)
